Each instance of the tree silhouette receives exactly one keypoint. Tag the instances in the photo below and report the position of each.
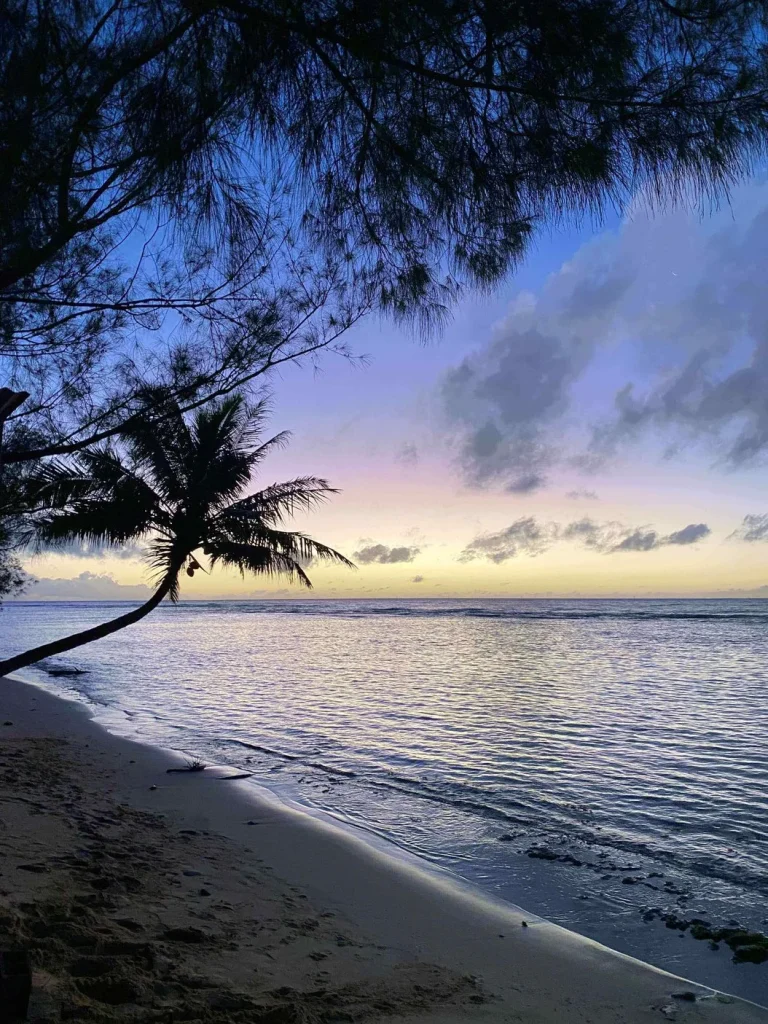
(159, 154)
(176, 487)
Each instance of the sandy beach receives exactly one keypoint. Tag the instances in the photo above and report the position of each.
(148, 896)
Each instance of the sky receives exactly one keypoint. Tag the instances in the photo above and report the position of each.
(598, 426)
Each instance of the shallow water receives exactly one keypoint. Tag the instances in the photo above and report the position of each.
(631, 737)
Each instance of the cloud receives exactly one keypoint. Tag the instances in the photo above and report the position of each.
(689, 534)
(525, 536)
(529, 537)
(526, 483)
(658, 329)
(753, 528)
(88, 586)
(79, 549)
(639, 540)
(600, 536)
(582, 495)
(614, 537)
(384, 555)
(417, 579)
(408, 455)
(504, 401)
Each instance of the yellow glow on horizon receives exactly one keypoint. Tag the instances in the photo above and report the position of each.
(711, 567)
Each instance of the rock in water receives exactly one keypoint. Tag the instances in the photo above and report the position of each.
(15, 985)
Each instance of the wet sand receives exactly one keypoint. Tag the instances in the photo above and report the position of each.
(147, 896)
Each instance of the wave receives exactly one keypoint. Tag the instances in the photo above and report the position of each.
(755, 611)
(537, 820)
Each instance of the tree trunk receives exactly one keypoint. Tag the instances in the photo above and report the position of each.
(68, 643)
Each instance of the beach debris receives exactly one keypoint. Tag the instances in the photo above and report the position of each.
(524, 924)
(7, 723)
(62, 670)
(687, 996)
(191, 874)
(15, 984)
(35, 869)
(190, 766)
(203, 892)
(153, 787)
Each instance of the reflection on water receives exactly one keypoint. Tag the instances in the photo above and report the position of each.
(469, 732)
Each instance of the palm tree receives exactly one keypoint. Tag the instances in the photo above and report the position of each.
(176, 486)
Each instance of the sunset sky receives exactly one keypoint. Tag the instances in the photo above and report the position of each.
(598, 426)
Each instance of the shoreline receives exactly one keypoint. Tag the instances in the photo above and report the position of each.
(566, 882)
(403, 924)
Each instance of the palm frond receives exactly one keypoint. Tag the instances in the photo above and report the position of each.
(275, 502)
(219, 465)
(98, 523)
(218, 428)
(259, 560)
(166, 559)
(163, 451)
(56, 484)
(278, 441)
(178, 485)
(95, 501)
(290, 543)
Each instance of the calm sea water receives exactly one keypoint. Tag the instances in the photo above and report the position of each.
(627, 739)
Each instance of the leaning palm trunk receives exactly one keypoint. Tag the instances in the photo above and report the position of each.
(68, 643)
(177, 490)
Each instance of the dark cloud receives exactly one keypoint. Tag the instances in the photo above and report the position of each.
(689, 534)
(525, 536)
(753, 528)
(601, 536)
(408, 455)
(613, 537)
(384, 555)
(529, 537)
(582, 495)
(88, 586)
(526, 483)
(417, 579)
(690, 320)
(77, 549)
(639, 540)
(711, 386)
(505, 400)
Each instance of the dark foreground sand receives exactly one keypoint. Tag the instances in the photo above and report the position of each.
(148, 897)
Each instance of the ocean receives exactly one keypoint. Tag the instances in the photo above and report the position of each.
(603, 764)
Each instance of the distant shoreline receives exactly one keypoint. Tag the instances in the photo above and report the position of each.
(304, 598)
